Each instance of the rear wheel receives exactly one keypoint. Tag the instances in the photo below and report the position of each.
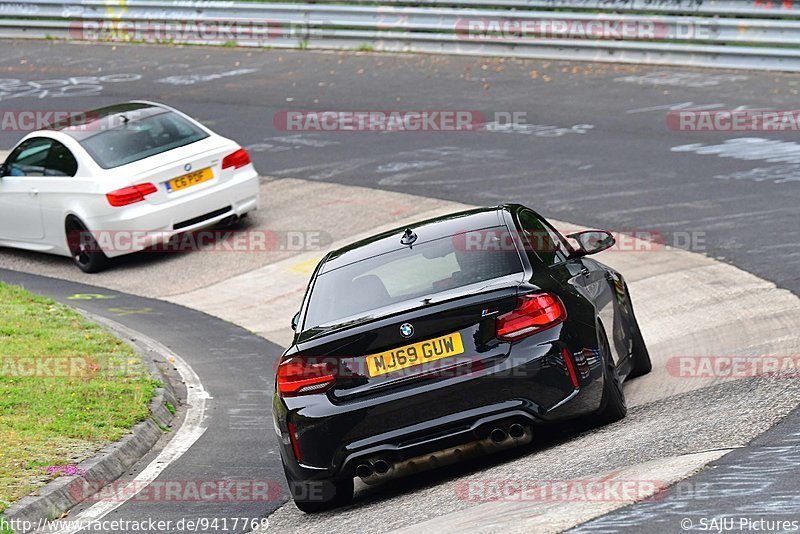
(84, 250)
(320, 495)
(641, 357)
(612, 406)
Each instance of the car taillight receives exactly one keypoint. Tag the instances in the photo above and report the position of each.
(297, 376)
(533, 313)
(237, 160)
(130, 195)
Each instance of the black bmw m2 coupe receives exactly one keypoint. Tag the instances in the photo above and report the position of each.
(450, 338)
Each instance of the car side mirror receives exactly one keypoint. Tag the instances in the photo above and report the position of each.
(295, 321)
(592, 242)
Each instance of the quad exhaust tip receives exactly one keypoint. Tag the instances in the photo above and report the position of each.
(516, 431)
(498, 435)
(382, 467)
(364, 470)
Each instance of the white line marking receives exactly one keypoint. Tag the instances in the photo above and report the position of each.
(190, 431)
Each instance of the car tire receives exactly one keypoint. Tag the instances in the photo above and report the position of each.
(640, 356)
(84, 250)
(320, 495)
(612, 405)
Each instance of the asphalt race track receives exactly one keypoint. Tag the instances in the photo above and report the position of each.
(609, 159)
(759, 481)
(593, 149)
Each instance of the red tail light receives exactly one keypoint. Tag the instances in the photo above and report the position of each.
(534, 313)
(296, 377)
(130, 195)
(237, 160)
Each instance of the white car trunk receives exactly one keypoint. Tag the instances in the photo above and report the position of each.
(205, 154)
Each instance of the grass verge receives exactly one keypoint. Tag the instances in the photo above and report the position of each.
(67, 388)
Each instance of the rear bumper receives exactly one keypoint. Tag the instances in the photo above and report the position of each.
(143, 225)
(528, 389)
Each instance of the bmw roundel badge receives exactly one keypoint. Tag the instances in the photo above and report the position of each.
(406, 330)
(187, 167)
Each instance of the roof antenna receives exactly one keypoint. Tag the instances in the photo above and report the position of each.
(408, 237)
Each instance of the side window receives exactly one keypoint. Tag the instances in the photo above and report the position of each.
(60, 161)
(29, 158)
(542, 240)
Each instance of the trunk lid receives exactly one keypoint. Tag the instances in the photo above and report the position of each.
(200, 162)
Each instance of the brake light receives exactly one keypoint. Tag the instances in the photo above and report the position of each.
(130, 195)
(296, 377)
(237, 160)
(533, 313)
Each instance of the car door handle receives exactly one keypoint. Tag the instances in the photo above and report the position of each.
(34, 192)
(585, 272)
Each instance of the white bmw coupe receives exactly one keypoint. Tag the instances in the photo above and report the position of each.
(136, 168)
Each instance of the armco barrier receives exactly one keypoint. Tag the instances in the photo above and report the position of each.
(751, 34)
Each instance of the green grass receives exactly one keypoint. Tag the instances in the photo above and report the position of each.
(88, 390)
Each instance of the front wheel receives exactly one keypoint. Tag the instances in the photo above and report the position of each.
(83, 248)
(319, 495)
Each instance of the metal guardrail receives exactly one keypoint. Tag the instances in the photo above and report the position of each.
(752, 34)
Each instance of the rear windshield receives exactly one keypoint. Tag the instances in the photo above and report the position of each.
(349, 292)
(141, 139)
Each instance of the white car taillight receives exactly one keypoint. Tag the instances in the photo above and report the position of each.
(130, 195)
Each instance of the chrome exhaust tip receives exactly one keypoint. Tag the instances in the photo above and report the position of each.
(382, 467)
(364, 470)
(498, 435)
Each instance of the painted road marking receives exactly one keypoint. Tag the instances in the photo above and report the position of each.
(90, 296)
(124, 312)
(305, 267)
(748, 149)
